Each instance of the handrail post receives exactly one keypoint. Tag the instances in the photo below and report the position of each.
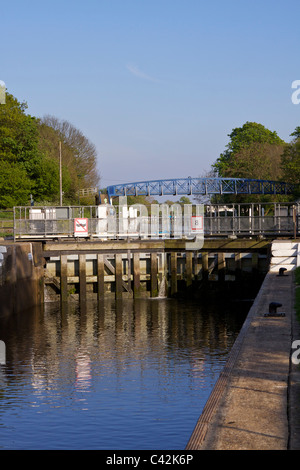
(14, 225)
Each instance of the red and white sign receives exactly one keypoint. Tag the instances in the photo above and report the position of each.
(81, 227)
(197, 223)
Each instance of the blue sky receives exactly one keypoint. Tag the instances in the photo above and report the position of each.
(157, 86)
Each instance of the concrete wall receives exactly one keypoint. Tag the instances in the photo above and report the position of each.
(285, 254)
(21, 277)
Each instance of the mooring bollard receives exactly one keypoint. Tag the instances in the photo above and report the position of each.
(273, 306)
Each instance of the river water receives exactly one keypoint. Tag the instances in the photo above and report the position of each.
(122, 376)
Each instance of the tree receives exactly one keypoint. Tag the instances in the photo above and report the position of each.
(184, 200)
(15, 186)
(79, 155)
(252, 139)
(20, 157)
(253, 152)
(257, 161)
(131, 200)
(296, 133)
(291, 161)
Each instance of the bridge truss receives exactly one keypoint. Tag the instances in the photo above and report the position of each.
(199, 186)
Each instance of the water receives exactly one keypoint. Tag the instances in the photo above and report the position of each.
(131, 375)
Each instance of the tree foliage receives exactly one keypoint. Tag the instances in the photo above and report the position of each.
(79, 155)
(257, 161)
(253, 152)
(15, 185)
(252, 139)
(291, 161)
(29, 157)
(19, 155)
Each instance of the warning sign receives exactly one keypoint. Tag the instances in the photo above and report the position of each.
(197, 223)
(81, 227)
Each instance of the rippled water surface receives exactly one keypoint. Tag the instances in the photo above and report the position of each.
(133, 375)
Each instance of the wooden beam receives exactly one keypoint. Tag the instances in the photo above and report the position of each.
(204, 255)
(82, 278)
(221, 266)
(189, 267)
(136, 276)
(153, 275)
(100, 277)
(173, 273)
(118, 276)
(63, 278)
(110, 268)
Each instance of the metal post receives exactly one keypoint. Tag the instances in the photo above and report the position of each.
(295, 222)
(14, 224)
(60, 176)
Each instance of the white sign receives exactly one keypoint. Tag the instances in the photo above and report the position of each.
(197, 223)
(81, 227)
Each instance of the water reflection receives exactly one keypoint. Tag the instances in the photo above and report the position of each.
(121, 375)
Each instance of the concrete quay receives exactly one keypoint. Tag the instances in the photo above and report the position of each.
(255, 404)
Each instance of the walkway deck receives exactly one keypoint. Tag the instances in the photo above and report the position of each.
(254, 405)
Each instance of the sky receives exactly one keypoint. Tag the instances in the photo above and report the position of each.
(155, 85)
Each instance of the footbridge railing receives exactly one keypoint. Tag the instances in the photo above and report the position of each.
(157, 221)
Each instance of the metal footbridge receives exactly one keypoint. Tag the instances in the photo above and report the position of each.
(199, 186)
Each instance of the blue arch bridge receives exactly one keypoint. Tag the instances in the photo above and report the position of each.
(199, 186)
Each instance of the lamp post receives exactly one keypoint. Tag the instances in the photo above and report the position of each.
(60, 176)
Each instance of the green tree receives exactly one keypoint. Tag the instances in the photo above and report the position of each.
(253, 152)
(29, 153)
(257, 161)
(252, 139)
(19, 154)
(143, 200)
(296, 133)
(184, 200)
(291, 161)
(15, 186)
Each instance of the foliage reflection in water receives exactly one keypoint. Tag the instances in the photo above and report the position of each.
(128, 375)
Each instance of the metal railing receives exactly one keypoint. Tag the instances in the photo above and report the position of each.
(253, 219)
(156, 221)
(6, 222)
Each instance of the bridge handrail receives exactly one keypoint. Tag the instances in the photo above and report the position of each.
(165, 222)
